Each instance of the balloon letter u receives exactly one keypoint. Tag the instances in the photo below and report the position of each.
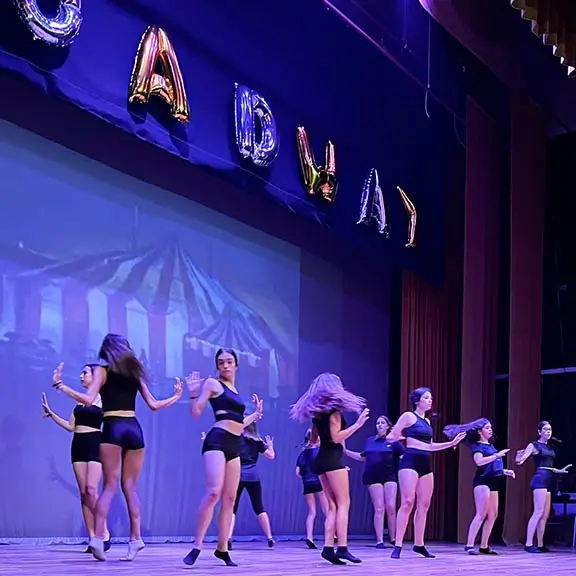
(250, 108)
(59, 30)
(145, 82)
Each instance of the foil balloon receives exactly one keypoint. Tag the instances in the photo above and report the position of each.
(59, 30)
(155, 47)
(372, 203)
(317, 179)
(410, 208)
(251, 110)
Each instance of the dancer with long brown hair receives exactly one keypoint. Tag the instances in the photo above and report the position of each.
(415, 476)
(543, 483)
(118, 382)
(220, 449)
(487, 483)
(381, 458)
(85, 423)
(312, 488)
(324, 402)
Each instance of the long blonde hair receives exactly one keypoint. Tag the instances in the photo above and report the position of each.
(325, 394)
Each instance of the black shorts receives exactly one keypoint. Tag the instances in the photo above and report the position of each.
(125, 432)
(544, 480)
(379, 475)
(254, 490)
(494, 483)
(220, 440)
(328, 459)
(86, 447)
(312, 487)
(418, 460)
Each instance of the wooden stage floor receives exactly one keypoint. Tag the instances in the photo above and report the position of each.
(287, 559)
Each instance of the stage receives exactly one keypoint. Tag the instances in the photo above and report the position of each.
(288, 558)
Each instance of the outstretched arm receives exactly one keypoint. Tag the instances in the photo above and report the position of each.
(480, 460)
(407, 419)
(354, 455)
(87, 398)
(337, 434)
(68, 425)
(523, 455)
(154, 404)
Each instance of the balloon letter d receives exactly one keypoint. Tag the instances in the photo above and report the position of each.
(155, 45)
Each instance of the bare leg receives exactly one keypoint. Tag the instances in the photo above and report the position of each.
(339, 487)
(311, 516)
(214, 468)
(390, 500)
(539, 496)
(377, 496)
(541, 528)
(424, 491)
(264, 521)
(132, 461)
(330, 514)
(93, 477)
(407, 480)
(227, 499)
(80, 472)
(482, 502)
(490, 519)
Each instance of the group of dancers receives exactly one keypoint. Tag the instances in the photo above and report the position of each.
(108, 443)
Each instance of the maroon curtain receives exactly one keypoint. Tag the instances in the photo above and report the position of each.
(527, 188)
(480, 287)
(430, 355)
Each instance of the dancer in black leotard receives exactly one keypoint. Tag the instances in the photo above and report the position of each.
(251, 446)
(324, 402)
(118, 382)
(543, 484)
(85, 422)
(381, 459)
(221, 449)
(415, 476)
(490, 473)
(311, 485)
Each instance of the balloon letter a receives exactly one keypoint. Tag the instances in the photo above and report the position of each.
(317, 178)
(156, 49)
(249, 109)
(410, 208)
(372, 203)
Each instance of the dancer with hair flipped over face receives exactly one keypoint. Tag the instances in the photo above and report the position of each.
(85, 423)
(490, 473)
(118, 381)
(251, 446)
(324, 402)
(543, 483)
(415, 475)
(221, 449)
(311, 485)
(381, 459)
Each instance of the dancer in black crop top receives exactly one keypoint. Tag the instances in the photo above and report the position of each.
(221, 448)
(414, 469)
(487, 482)
(122, 447)
(85, 423)
(381, 459)
(324, 402)
(543, 484)
(311, 485)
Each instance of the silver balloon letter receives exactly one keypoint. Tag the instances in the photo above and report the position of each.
(250, 108)
(372, 203)
(60, 30)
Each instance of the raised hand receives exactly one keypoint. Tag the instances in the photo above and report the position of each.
(258, 404)
(458, 438)
(202, 436)
(362, 419)
(269, 441)
(193, 383)
(45, 407)
(178, 386)
(510, 473)
(57, 376)
(503, 453)
(564, 470)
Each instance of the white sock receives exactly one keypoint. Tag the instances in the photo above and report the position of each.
(134, 546)
(97, 546)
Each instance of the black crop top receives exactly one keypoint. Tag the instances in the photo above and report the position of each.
(90, 416)
(228, 406)
(544, 455)
(420, 430)
(119, 392)
(322, 423)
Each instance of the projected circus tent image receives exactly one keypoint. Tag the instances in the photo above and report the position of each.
(174, 314)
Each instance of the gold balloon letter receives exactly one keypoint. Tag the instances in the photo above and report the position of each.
(155, 48)
(317, 178)
(410, 208)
